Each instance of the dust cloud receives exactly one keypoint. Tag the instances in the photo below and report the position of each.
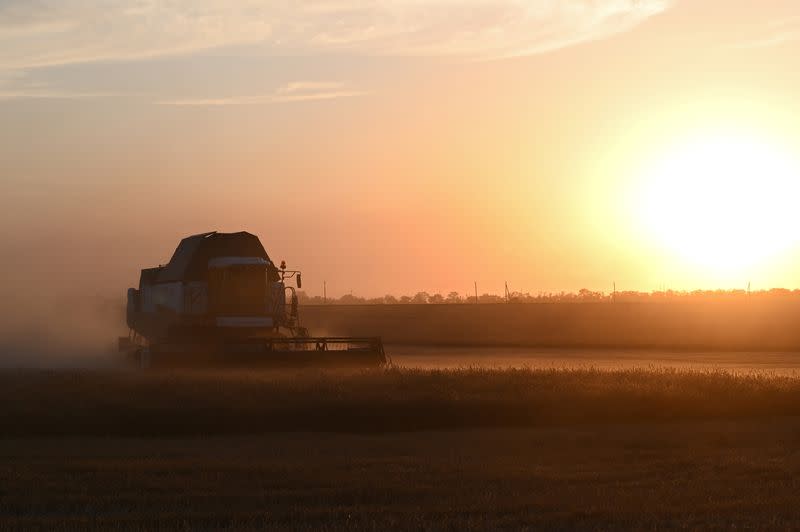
(60, 331)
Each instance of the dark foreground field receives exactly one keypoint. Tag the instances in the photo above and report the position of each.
(399, 448)
(673, 475)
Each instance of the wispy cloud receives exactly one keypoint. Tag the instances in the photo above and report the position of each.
(776, 33)
(302, 91)
(45, 94)
(56, 32)
(15, 85)
(48, 33)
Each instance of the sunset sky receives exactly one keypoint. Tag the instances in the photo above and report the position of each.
(397, 146)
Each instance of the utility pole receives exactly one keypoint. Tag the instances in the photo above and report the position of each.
(476, 292)
(614, 296)
(325, 292)
(508, 298)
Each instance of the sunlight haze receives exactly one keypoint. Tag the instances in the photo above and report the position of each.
(400, 146)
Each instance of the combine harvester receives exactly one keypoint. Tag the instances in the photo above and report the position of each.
(220, 301)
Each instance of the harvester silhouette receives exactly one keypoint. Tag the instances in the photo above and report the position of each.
(221, 301)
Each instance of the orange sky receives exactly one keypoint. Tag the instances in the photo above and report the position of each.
(393, 148)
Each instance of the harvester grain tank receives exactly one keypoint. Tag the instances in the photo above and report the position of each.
(222, 301)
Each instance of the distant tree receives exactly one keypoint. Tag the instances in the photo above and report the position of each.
(779, 292)
(304, 299)
(436, 299)
(350, 299)
(518, 297)
(420, 298)
(453, 297)
(581, 296)
(584, 294)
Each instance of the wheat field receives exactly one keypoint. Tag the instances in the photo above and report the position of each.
(406, 449)
(132, 403)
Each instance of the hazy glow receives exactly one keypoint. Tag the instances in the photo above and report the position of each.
(397, 146)
(724, 202)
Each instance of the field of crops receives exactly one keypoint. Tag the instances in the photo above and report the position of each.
(727, 325)
(130, 403)
(716, 474)
(778, 363)
(407, 449)
(458, 437)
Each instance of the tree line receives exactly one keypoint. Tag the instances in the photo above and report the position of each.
(581, 296)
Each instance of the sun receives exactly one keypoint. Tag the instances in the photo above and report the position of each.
(724, 202)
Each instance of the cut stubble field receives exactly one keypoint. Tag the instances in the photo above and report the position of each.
(399, 448)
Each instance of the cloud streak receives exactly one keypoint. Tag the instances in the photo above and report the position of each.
(15, 85)
(290, 93)
(777, 33)
(58, 32)
(36, 35)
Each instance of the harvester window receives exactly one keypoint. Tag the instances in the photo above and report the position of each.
(237, 290)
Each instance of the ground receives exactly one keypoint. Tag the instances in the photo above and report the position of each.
(399, 449)
(667, 475)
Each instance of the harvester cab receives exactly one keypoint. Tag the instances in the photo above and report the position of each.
(221, 300)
